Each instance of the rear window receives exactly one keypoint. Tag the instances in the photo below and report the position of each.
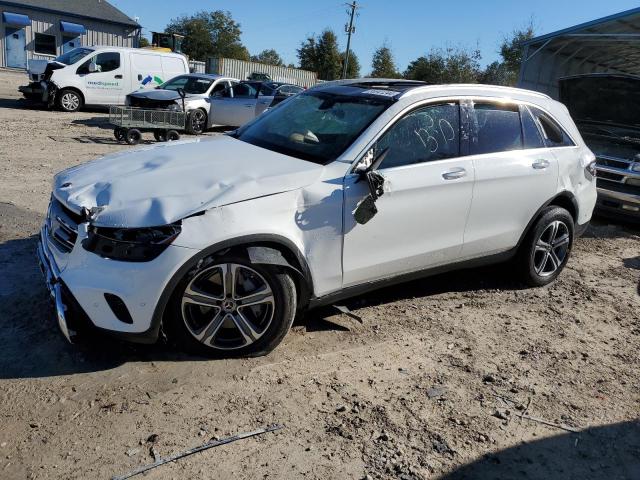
(554, 134)
(497, 129)
(530, 130)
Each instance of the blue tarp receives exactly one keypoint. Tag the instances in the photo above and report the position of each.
(68, 27)
(16, 19)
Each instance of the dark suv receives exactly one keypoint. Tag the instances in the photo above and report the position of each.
(606, 109)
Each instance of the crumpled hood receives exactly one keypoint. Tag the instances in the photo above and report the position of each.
(162, 184)
(157, 94)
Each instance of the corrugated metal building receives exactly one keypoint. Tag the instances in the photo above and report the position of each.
(241, 70)
(606, 45)
(44, 29)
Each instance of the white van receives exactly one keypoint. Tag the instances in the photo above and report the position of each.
(99, 75)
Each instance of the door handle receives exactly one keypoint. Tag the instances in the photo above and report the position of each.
(117, 76)
(540, 164)
(454, 173)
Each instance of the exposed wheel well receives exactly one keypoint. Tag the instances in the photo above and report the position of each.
(568, 202)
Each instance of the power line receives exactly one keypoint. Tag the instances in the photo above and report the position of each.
(350, 29)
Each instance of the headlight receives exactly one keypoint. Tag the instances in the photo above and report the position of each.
(590, 170)
(131, 244)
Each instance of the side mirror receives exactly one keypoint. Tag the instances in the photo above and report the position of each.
(366, 170)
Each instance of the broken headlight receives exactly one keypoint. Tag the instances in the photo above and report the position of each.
(131, 244)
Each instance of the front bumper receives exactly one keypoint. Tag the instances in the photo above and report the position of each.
(618, 203)
(36, 91)
(51, 273)
(78, 281)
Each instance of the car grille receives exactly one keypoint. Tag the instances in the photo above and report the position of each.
(62, 224)
(615, 174)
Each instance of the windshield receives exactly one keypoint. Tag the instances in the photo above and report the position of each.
(193, 85)
(73, 56)
(314, 126)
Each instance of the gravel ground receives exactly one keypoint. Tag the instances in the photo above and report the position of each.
(464, 375)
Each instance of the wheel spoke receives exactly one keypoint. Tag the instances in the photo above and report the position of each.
(257, 299)
(199, 298)
(554, 231)
(209, 332)
(246, 328)
(229, 280)
(554, 261)
(560, 241)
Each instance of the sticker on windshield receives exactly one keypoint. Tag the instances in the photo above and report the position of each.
(384, 93)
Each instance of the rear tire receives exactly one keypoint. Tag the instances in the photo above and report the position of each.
(172, 136)
(69, 100)
(160, 135)
(546, 248)
(120, 134)
(224, 327)
(133, 136)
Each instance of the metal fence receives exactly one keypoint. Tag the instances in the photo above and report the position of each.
(196, 66)
(241, 69)
(129, 117)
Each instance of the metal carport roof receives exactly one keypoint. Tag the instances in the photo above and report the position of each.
(606, 45)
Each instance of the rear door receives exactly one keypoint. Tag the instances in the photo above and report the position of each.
(105, 86)
(145, 71)
(515, 175)
(421, 216)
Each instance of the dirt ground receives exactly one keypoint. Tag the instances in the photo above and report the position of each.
(433, 384)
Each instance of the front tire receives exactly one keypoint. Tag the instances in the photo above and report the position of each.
(546, 248)
(229, 307)
(69, 101)
(196, 122)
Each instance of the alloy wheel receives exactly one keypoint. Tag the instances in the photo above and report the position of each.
(70, 101)
(228, 306)
(551, 248)
(198, 119)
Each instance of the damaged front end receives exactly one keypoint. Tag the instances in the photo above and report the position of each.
(41, 88)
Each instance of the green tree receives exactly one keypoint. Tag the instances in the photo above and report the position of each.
(353, 67)
(144, 42)
(384, 66)
(269, 56)
(321, 54)
(511, 47)
(496, 73)
(452, 65)
(210, 34)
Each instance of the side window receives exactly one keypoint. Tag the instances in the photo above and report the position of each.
(106, 62)
(554, 134)
(245, 90)
(219, 87)
(497, 128)
(424, 135)
(530, 130)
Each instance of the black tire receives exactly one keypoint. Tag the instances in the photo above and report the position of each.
(160, 135)
(541, 257)
(283, 310)
(69, 100)
(120, 134)
(133, 136)
(172, 136)
(196, 122)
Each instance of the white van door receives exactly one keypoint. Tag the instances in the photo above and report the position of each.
(145, 71)
(173, 66)
(103, 78)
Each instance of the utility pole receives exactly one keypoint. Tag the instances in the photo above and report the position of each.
(349, 29)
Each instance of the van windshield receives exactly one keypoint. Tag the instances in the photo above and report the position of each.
(73, 56)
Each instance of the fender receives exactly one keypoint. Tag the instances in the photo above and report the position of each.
(264, 248)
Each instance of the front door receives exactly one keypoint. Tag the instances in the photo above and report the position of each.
(69, 43)
(422, 214)
(15, 47)
(236, 106)
(105, 85)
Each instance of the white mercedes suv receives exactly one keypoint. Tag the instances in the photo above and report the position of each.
(344, 188)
